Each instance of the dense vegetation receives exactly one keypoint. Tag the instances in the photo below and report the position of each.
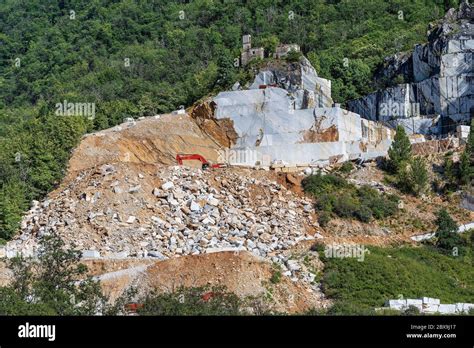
(336, 196)
(54, 284)
(448, 239)
(33, 154)
(410, 173)
(135, 58)
(391, 273)
(192, 301)
(57, 283)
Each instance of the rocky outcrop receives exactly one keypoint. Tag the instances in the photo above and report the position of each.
(299, 79)
(437, 80)
(221, 130)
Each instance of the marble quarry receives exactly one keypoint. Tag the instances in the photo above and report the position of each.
(439, 91)
(287, 115)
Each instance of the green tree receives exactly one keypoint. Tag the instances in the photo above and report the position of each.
(400, 150)
(13, 202)
(413, 177)
(449, 173)
(465, 165)
(465, 168)
(446, 234)
(294, 56)
(445, 222)
(470, 140)
(55, 283)
(269, 43)
(226, 70)
(12, 303)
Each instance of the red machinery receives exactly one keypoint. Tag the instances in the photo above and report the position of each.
(132, 308)
(207, 296)
(205, 164)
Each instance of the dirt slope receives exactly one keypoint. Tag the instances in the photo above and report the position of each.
(153, 140)
(240, 272)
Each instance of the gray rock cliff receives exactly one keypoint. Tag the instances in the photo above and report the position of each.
(438, 92)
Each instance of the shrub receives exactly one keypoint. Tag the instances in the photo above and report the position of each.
(381, 206)
(346, 206)
(418, 176)
(449, 173)
(460, 173)
(192, 301)
(324, 219)
(293, 56)
(276, 274)
(319, 184)
(364, 214)
(326, 202)
(411, 310)
(346, 168)
(335, 195)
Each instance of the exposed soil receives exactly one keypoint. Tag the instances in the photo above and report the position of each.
(240, 272)
(150, 141)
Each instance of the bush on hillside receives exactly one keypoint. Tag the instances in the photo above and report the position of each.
(55, 283)
(411, 311)
(192, 301)
(346, 168)
(334, 195)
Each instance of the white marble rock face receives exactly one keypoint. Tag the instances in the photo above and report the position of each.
(287, 114)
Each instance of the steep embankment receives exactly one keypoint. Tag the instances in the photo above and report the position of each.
(153, 140)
